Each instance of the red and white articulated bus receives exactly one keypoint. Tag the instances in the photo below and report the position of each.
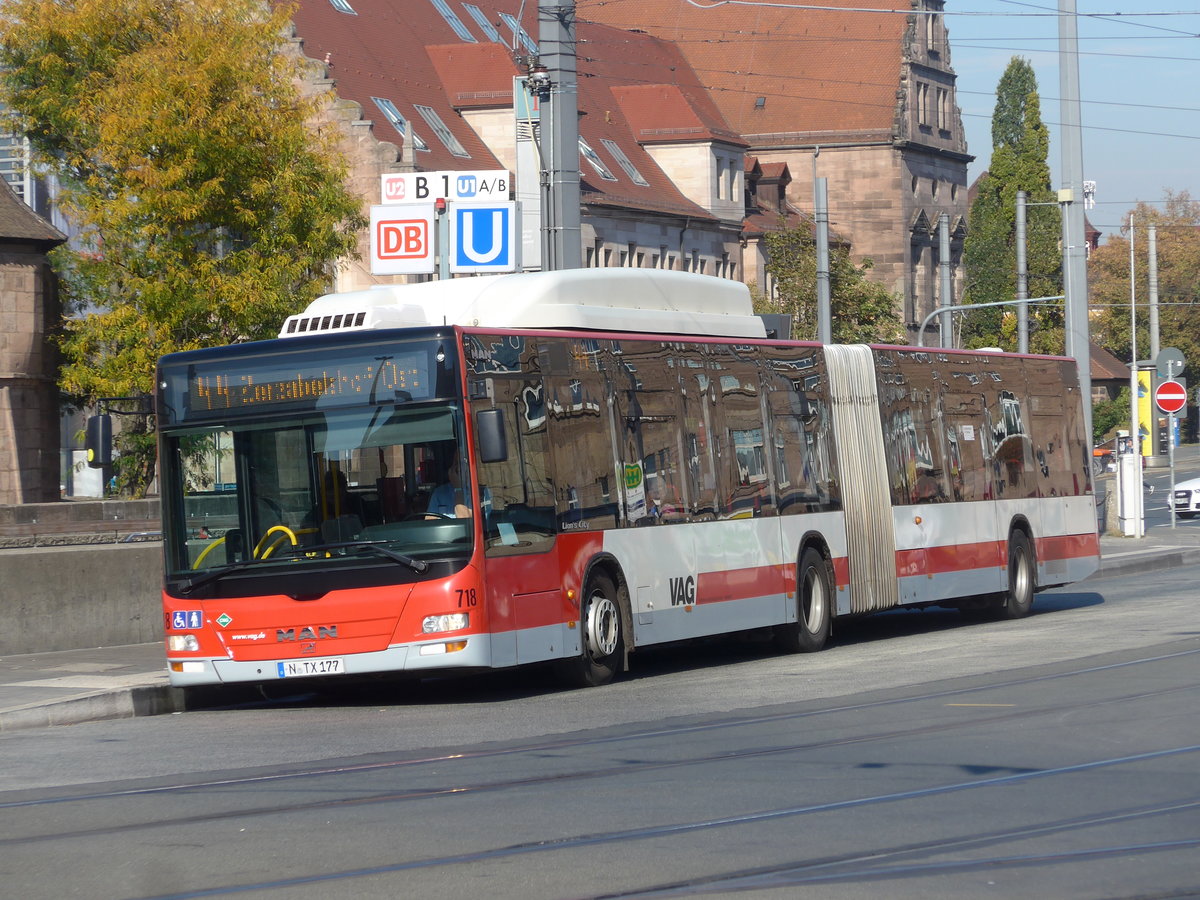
(569, 466)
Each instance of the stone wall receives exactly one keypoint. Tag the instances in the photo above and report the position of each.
(76, 574)
(70, 523)
(71, 598)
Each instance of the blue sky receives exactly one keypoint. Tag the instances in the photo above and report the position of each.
(1138, 74)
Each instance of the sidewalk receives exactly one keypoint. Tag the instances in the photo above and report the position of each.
(73, 686)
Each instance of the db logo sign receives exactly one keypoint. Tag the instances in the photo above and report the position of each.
(402, 239)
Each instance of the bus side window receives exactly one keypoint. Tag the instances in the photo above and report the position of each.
(746, 489)
(521, 518)
(581, 431)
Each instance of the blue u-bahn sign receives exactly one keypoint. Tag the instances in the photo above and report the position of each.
(483, 237)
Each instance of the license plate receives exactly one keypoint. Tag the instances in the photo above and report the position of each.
(330, 665)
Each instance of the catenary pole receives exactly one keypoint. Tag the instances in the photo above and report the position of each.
(824, 304)
(1022, 276)
(1075, 249)
(562, 234)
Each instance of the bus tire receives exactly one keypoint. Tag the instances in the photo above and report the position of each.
(1022, 578)
(814, 606)
(602, 636)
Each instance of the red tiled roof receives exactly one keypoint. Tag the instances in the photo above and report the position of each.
(1105, 366)
(381, 52)
(829, 71)
(475, 75)
(386, 51)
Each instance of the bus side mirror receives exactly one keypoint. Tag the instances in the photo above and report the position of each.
(99, 441)
(493, 439)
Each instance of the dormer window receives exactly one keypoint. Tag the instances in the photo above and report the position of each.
(443, 132)
(623, 161)
(343, 6)
(519, 33)
(454, 21)
(482, 21)
(388, 108)
(597, 163)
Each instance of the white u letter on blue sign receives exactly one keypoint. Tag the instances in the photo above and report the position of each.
(468, 236)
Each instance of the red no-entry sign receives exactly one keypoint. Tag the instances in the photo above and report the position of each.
(1170, 397)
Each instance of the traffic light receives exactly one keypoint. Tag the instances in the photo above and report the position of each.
(99, 441)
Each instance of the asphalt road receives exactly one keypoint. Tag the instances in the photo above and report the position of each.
(917, 757)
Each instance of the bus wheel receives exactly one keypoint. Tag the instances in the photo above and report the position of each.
(814, 600)
(1018, 599)
(603, 636)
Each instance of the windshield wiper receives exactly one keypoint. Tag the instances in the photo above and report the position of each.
(416, 565)
(215, 575)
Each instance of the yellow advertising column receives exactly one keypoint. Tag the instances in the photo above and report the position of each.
(1146, 412)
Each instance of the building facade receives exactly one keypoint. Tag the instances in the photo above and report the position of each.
(861, 98)
(29, 314)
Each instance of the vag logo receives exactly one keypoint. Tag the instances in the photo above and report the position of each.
(321, 632)
(682, 590)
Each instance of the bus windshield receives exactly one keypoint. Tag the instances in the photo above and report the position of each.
(317, 488)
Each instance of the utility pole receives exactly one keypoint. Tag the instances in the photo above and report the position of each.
(1022, 276)
(562, 233)
(947, 326)
(824, 305)
(1075, 249)
(1152, 251)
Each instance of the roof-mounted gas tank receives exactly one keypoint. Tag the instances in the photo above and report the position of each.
(639, 300)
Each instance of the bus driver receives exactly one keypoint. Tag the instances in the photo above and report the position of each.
(449, 498)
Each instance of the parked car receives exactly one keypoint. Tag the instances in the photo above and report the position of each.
(1187, 498)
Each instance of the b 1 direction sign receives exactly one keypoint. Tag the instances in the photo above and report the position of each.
(425, 187)
(1170, 397)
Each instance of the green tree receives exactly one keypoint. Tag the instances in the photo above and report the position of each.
(861, 310)
(1020, 147)
(1177, 222)
(1109, 415)
(208, 208)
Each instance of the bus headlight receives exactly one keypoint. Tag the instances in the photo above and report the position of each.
(183, 643)
(451, 622)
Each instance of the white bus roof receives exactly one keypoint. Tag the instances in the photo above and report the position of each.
(638, 300)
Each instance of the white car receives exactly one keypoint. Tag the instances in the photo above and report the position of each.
(1187, 498)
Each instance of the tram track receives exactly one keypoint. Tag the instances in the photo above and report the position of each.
(671, 732)
(911, 860)
(682, 828)
(313, 829)
(883, 864)
(455, 787)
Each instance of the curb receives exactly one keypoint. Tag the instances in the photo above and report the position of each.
(124, 703)
(1150, 561)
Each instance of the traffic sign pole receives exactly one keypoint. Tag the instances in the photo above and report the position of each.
(1171, 457)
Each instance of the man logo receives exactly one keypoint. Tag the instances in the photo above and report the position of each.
(321, 632)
